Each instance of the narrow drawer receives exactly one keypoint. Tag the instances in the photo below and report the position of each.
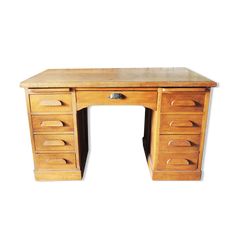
(53, 142)
(177, 161)
(144, 98)
(186, 124)
(59, 123)
(183, 102)
(58, 161)
(50, 103)
(179, 143)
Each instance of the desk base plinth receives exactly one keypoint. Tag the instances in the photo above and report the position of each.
(51, 175)
(174, 175)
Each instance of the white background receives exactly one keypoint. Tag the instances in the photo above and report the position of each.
(117, 196)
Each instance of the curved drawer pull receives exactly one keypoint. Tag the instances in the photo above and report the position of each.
(179, 143)
(50, 103)
(57, 161)
(51, 123)
(184, 123)
(183, 103)
(116, 96)
(54, 143)
(178, 162)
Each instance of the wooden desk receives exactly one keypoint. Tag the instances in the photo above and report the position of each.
(176, 106)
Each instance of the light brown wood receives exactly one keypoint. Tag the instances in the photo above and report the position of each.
(118, 77)
(143, 98)
(178, 161)
(76, 135)
(55, 142)
(48, 90)
(171, 90)
(50, 103)
(57, 161)
(53, 123)
(204, 126)
(55, 175)
(181, 124)
(30, 122)
(176, 175)
(176, 102)
(183, 102)
(179, 143)
(155, 131)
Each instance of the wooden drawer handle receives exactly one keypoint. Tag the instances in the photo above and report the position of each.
(51, 103)
(184, 123)
(179, 143)
(183, 103)
(178, 162)
(54, 143)
(51, 123)
(60, 161)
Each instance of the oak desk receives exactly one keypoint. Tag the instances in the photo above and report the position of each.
(176, 105)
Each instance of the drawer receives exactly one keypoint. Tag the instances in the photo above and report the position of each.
(179, 143)
(188, 124)
(50, 103)
(144, 98)
(59, 123)
(58, 161)
(53, 142)
(183, 102)
(177, 161)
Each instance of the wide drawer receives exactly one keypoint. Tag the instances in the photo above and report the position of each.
(144, 98)
(58, 161)
(183, 102)
(188, 124)
(179, 143)
(53, 142)
(50, 103)
(58, 123)
(177, 161)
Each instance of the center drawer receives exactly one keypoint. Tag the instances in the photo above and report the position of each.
(52, 142)
(144, 98)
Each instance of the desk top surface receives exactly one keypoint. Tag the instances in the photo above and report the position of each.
(118, 77)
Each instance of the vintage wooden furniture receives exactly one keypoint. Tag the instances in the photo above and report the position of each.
(176, 106)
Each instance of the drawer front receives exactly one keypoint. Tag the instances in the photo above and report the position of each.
(58, 161)
(50, 103)
(177, 161)
(53, 142)
(188, 124)
(144, 98)
(179, 143)
(183, 102)
(58, 123)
